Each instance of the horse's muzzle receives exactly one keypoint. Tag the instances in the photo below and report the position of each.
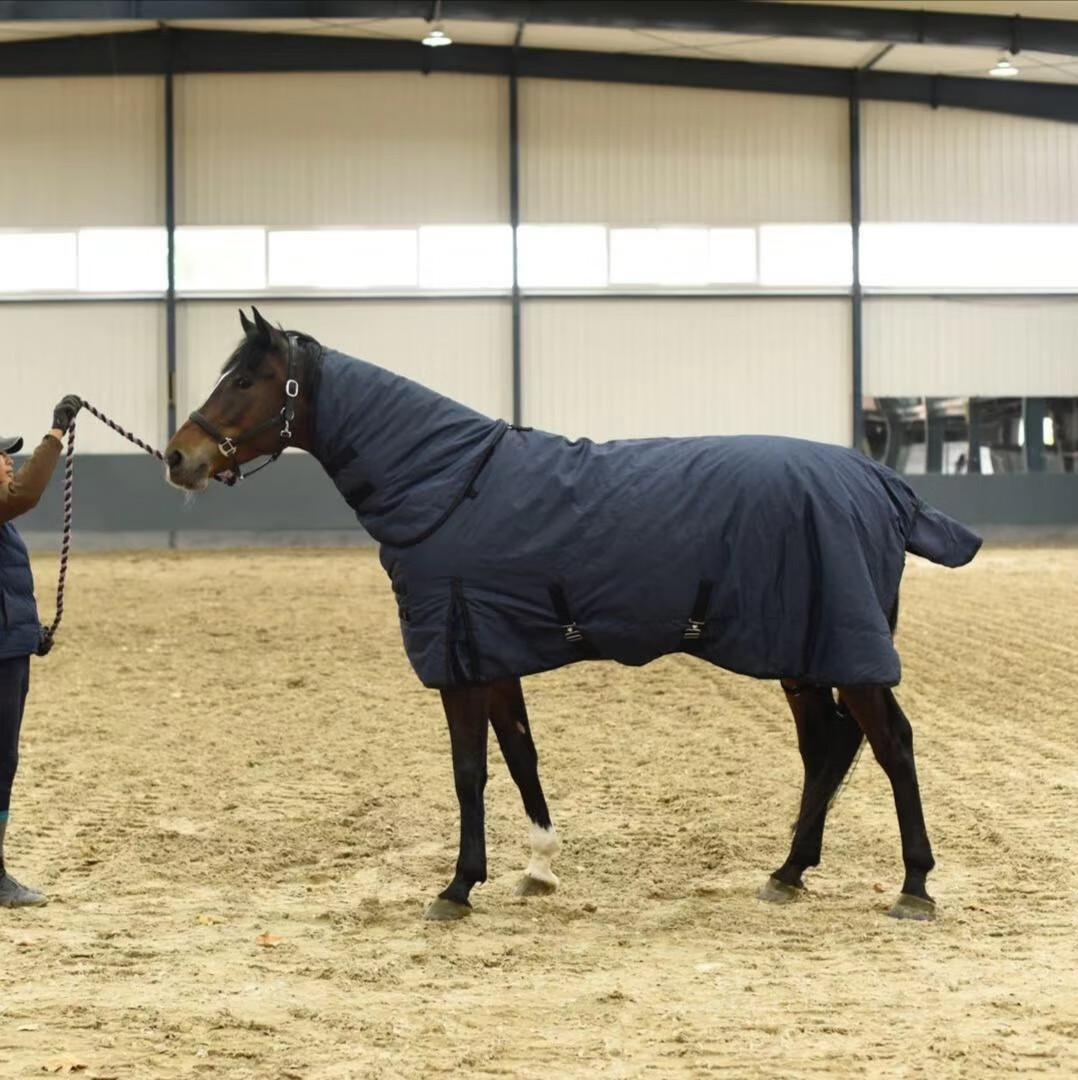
(186, 473)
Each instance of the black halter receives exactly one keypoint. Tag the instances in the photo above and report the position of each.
(229, 444)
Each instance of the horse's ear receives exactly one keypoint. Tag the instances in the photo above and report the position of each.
(264, 330)
(248, 326)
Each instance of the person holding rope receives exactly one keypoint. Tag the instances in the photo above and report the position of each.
(21, 634)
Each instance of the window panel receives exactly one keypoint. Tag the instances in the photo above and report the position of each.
(682, 256)
(732, 256)
(344, 258)
(667, 256)
(466, 257)
(900, 256)
(123, 260)
(213, 259)
(562, 256)
(38, 262)
(802, 256)
(968, 256)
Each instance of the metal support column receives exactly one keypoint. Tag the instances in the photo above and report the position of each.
(856, 296)
(170, 239)
(514, 221)
(935, 434)
(1034, 413)
(170, 232)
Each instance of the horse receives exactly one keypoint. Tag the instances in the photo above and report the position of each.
(513, 551)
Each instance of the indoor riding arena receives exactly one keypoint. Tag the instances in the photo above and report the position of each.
(246, 831)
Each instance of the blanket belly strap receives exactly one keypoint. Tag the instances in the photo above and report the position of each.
(568, 624)
(694, 632)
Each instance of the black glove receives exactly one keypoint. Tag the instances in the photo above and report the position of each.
(44, 643)
(66, 411)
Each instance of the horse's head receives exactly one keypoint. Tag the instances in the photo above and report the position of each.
(251, 411)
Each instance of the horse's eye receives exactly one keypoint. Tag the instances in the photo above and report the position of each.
(244, 382)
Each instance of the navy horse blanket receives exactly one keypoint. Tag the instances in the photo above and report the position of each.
(513, 551)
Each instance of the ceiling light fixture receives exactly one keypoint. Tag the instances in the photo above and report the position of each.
(1004, 69)
(437, 37)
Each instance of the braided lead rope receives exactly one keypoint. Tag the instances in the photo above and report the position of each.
(69, 484)
(119, 431)
(65, 547)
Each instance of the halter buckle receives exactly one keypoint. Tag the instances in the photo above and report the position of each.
(291, 389)
(286, 431)
(227, 446)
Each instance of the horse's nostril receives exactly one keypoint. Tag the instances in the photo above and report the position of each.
(174, 459)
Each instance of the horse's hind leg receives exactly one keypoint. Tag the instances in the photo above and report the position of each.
(509, 718)
(891, 738)
(828, 738)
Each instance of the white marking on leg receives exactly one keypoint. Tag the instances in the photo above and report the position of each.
(545, 844)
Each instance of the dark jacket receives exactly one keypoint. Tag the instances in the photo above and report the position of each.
(20, 628)
(515, 551)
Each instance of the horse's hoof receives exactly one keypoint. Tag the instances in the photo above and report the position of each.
(918, 908)
(531, 886)
(442, 910)
(778, 892)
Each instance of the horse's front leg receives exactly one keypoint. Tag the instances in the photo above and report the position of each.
(467, 710)
(509, 718)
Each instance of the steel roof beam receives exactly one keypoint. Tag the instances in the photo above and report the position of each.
(143, 53)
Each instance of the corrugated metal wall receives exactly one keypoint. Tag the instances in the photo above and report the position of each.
(640, 155)
(954, 165)
(80, 152)
(380, 148)
(971, 347)
(83, 152)
(108, 353)
(957, 165)
(387, 149)
(655, 155)
(311, 150)
(459, 348)
(618, 369)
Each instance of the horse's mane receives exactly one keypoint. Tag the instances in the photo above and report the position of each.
(249, 354)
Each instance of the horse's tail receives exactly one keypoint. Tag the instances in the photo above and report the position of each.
(842, 715)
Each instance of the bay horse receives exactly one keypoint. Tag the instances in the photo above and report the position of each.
(513, 551)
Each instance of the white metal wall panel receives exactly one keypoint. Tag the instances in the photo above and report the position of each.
(459, 348)
(970, 347)
(652, 155)
(383, 148)
(613, 369)
(110, 354)
(922, 164)
(81, 152)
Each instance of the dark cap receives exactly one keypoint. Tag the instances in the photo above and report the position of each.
(10, 444)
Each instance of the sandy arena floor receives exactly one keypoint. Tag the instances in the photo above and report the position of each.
(229, 746)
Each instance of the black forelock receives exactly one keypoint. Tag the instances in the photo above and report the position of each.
(249, 354)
